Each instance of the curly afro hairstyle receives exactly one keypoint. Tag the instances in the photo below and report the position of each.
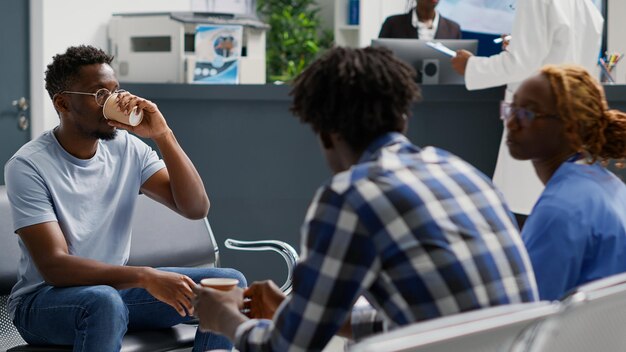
(64, 69)
(360, 94)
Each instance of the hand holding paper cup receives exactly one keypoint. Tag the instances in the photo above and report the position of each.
(111, 111)
(217, 305)
(219, 283)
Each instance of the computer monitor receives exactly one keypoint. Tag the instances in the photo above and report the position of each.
(432, 66)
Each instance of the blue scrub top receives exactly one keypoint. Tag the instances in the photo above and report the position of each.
(576, 232)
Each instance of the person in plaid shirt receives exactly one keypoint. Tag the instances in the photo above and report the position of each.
(419, 233)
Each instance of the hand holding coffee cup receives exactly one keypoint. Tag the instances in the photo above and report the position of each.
(112, 111)
(153, 124)
(217, 305)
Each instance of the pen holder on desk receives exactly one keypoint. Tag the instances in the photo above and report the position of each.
(607, 67)
(606, 75)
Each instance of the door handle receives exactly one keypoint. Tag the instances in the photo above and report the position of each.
(22, 106)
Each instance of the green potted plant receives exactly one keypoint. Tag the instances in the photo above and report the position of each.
(295, 37)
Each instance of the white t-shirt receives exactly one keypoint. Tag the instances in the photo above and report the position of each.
(423, 30)
(92, 200)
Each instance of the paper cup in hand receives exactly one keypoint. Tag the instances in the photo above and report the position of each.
(112, 112)
(218, 283)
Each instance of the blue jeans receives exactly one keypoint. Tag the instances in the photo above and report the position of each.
(95, 318)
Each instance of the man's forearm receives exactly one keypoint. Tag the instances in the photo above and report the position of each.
(69, 270)
(185, 182)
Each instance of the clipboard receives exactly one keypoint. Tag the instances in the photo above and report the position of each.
(441, 48)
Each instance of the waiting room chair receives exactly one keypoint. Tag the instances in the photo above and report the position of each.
(153, 244)
(494, 329)
(592, 318)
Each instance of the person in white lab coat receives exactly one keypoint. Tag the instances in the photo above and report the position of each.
(544, 32)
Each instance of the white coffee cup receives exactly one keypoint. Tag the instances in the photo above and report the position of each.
(111, 111)
(219, 283)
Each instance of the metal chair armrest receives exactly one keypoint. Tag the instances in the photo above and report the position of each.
(284, 249)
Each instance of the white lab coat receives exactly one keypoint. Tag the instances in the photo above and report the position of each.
(544, 32)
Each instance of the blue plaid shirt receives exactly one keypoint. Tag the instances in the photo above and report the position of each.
(418, 232)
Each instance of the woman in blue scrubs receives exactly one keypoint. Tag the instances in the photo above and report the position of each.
(576, 232)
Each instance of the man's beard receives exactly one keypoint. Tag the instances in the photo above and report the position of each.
(105, 136)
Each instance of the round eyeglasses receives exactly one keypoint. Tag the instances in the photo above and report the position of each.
(522, 115)
(100, 95)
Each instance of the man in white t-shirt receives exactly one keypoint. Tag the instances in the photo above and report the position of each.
(72, 193)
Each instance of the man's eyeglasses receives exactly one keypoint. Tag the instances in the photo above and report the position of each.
(100, 95)
(522, 115)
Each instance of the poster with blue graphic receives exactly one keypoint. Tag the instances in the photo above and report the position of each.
(217, 54)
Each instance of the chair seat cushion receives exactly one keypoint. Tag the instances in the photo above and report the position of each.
(179, 336)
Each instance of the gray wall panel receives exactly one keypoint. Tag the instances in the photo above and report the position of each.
(261, 166)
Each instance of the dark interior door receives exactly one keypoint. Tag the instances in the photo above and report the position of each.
(14, 79)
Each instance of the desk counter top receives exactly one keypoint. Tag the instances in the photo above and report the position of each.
(270, 92)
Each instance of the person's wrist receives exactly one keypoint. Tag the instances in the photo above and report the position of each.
(143, 277)
(232, 322)
(164, 137)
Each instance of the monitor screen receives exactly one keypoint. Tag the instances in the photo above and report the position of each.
(432, 66)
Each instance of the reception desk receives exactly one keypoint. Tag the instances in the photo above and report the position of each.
(261, 166)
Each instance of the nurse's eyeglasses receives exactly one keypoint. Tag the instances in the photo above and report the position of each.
(522, 115)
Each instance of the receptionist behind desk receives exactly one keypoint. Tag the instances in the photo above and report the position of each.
(422, 22)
